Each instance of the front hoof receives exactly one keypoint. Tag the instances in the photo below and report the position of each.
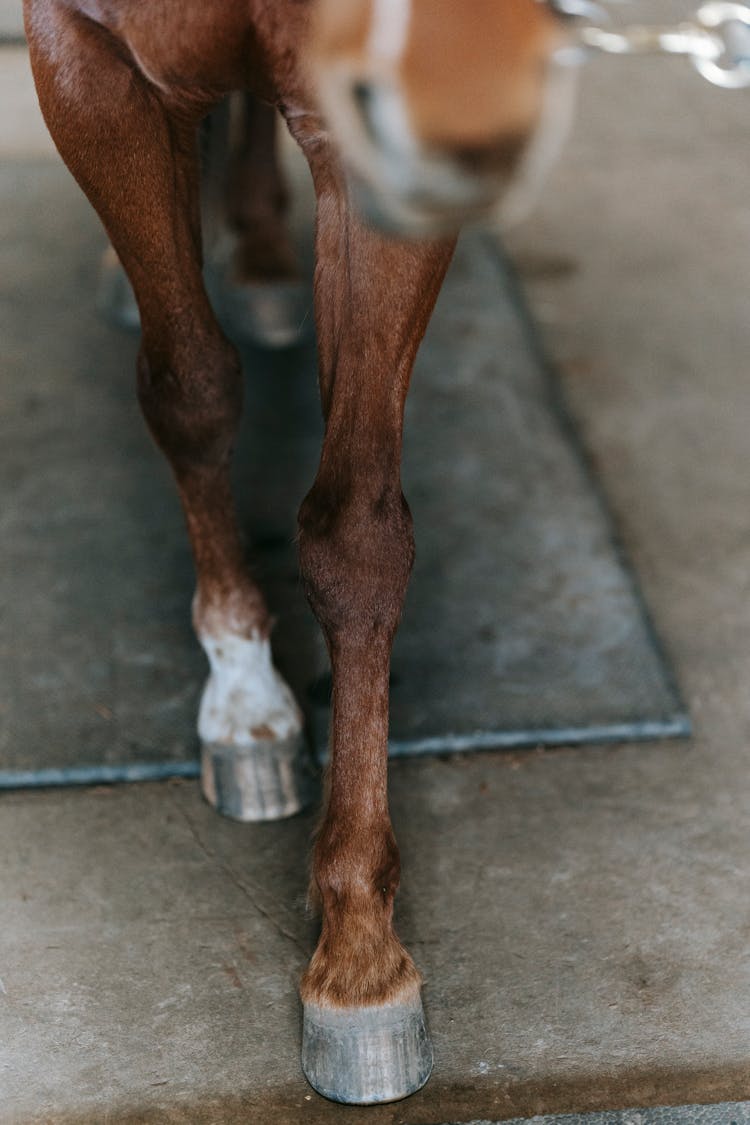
(267, 780)
(361, 1056)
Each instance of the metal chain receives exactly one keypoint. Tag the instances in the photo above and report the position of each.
(716, 39)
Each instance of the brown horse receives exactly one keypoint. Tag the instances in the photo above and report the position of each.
(433, 104)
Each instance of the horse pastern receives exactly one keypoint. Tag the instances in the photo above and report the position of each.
(246, 702)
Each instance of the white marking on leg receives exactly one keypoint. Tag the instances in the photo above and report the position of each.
(389, 30)
(245, 701)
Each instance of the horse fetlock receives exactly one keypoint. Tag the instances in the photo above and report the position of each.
(245, 701)
(237, 611)
(359, 961)
(359, 958)
(354, 868)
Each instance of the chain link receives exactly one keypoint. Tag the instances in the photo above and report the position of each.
(716, 39)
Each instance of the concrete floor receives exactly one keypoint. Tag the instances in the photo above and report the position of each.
(720, 1113)
(582, 917)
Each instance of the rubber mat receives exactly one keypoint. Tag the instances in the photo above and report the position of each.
(728, 1113)
(523, 624)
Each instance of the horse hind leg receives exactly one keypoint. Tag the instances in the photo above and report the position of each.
(265, 298)
(261, 293)
(137, 163)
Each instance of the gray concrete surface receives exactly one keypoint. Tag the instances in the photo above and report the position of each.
(582, 918)
(726, 1113)
(11, 19)
(22, 130)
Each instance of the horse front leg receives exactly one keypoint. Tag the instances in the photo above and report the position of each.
(364, 1037)
(136, 159)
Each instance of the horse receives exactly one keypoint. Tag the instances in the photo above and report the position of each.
(414, 115)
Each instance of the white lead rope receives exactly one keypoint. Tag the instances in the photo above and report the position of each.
(716, 40)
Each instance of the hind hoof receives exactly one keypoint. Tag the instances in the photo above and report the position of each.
(263, 781)
(271, 314)
(362, 1056)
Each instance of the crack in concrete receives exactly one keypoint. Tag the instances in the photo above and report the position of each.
(246, 889)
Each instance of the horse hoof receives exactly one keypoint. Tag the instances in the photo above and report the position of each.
(361, 1056)
(264, 781)
(114, 298)
(271, 314)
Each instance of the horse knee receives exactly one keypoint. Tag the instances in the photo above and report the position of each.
(356, 554)
(192, 403)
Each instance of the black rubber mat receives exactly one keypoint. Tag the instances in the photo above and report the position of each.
(523, 624)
